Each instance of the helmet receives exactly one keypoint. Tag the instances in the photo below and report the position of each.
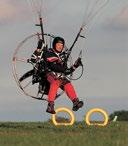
(57, 40)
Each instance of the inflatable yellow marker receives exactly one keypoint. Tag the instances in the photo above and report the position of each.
(99, 110)
(63, 109)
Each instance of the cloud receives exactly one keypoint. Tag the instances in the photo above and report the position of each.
(7, 10)
(120, 21)
(122, 18)
(10, 10)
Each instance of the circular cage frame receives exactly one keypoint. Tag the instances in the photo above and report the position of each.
(16, 59)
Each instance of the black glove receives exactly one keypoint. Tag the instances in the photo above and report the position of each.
(68, 71)
(77, 63)
(40, 43)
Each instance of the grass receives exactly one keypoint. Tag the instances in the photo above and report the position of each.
(46, 134)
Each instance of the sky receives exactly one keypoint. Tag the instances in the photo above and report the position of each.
(104, 83)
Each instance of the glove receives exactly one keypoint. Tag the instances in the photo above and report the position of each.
(77, 63)
(39, 45)
(68, 71)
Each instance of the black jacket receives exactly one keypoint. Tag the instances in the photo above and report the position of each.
(55, 61)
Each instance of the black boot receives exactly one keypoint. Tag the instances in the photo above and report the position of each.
(50, 108)
(77, 104)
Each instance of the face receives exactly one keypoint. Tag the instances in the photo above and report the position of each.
(59, 47)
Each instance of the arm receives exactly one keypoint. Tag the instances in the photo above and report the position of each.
(37, 53)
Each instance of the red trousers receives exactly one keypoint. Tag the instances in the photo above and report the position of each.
(57, 83)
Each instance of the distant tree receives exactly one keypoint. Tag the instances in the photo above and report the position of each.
(121, 115)
(60, 119)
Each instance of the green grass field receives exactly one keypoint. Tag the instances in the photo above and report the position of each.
(46, 134)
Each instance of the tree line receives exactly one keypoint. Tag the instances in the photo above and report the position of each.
(121, 115)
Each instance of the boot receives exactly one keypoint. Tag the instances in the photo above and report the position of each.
(77, 104)
(50, 108)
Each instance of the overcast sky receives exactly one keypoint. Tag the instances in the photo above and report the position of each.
(105, 80)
